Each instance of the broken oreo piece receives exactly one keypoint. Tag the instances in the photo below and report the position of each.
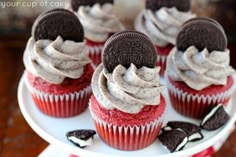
(128, 47)
(75, 4)
(216, 118)
(181, 5)
(58, 22)
(81, 138)
(174, 140)
(201, 33)
(193, 131)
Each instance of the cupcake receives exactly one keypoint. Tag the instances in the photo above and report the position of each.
(127, 105)
(99, 22)
(161, 21)
(58, 70)
(198, 75)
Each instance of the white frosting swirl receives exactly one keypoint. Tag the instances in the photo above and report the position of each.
(199, 69)
(99, 21)
(53, 61)
(163, 25)
(127, 90)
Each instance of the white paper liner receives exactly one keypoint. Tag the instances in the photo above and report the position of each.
(127, 137)
(60, 105)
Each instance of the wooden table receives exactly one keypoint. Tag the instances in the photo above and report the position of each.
(17, 138)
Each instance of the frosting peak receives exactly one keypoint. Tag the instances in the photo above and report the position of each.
(163, 25)
(199, 69)
(99, 21)
(127, 90)
(53, 61)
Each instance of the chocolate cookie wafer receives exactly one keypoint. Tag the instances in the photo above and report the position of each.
(181, 5)
(216, 118)
(174, 140)
(202, 33)
(193, 131)
(129, 47)
(58, 22)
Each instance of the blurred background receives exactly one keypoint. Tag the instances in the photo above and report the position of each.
(16, 18)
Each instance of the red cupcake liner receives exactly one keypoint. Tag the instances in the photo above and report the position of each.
(195, 105)
(95, 51)
(162, 53)
(128, 137)
(61, 105)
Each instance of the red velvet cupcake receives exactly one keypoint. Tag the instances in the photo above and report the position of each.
(199, 77)
(99, 21)
(58, 70)
(127, 105)
(161, 21)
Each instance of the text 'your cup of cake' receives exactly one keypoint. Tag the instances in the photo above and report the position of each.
(161, 21)
(127, 105)
(58, 70)
(99, 22)
(199, 75)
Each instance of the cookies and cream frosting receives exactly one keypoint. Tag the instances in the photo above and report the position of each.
(199, 69)
(99, 21)
(53, 61)
(163, 25)
(127, 90)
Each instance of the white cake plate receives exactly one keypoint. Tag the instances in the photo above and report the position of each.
(53, 130)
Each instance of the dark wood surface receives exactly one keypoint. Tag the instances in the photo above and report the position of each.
(16, 137)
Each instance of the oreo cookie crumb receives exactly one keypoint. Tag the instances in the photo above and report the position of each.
(215, 119)
(81, 138)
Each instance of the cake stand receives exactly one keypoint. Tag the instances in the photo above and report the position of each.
(54, 130)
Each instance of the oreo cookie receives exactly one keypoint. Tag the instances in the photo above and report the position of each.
(75, 4)
(81, 138)
(128, 47)
(192, 131)
(58, 22)
(181, 5)
(215, 119)
(202, 33)
(174, 140)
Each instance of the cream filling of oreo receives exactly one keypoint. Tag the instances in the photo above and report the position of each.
(195, 136)
(182, 144)
(210, 114)
(127, 90)
(53, 61)
(199, 69)
(163, 25)
(81, 143)
(99, 21)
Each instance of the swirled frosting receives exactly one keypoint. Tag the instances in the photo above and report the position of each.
(199, 69)
(127, 90)
(163, 25)
(99, 21)
(53, 61)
